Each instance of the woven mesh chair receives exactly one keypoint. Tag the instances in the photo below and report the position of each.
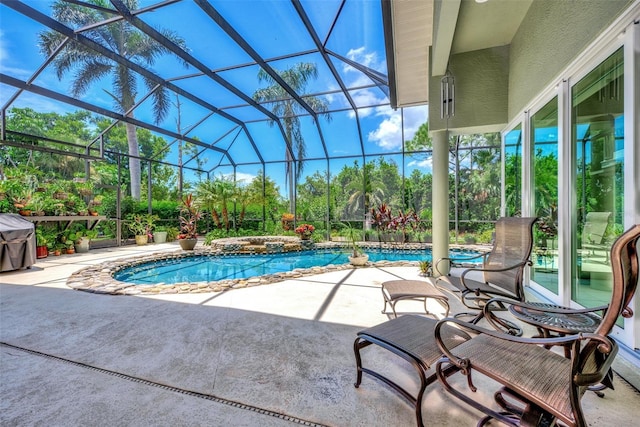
(595, 226)
(540, 386)
(502, 268)
(410, 337)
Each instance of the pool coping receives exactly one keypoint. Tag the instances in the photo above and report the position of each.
(99, 278)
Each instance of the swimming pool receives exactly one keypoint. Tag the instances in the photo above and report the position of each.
(209, 268)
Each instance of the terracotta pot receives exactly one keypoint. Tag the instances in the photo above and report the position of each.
(188, 244)
(42, 252)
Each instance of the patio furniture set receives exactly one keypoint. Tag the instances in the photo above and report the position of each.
(537, 385)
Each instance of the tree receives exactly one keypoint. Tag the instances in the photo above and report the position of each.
(215, 195)
(287, 108)
(366, 191)
(71, 127)
(421, 141)
(267, 194)
(312, 197)
(149, 146)
(90, 66)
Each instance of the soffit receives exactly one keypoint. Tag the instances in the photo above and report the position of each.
(412, 35)
(454, 26)
(489, 24)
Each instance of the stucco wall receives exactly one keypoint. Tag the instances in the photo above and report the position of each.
(481, 82)
(553, 34)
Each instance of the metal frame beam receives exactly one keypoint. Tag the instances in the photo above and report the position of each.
(85, 41)
(191, 60)
(39, 90)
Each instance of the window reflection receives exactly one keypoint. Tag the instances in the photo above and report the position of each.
(598, 136)
(544, 137)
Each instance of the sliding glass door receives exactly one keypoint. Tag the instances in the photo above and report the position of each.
(544, 162)
(597, 107)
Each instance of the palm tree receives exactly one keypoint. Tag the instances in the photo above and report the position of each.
(215, 193)
(287, 108)
(367, 190)
(244, 195)
(90, 66)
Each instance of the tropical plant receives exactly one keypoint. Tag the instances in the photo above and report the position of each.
(366, 190)
(425, 268)
(215, 195)
(244, 195)
(45, 236)
(141, 224)
(356, 250)
(91, 66)
(172, 233)
(77, 235)
(305, 230)
(189, 217)
(283, 105)
(381, 219)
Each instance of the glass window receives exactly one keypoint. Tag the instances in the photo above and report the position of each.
(598, 137)
(544, 139)
(513, 171)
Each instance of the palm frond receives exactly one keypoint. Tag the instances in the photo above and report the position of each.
(90, 71)
(161, 101)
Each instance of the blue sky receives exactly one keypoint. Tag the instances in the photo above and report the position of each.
(273, 29)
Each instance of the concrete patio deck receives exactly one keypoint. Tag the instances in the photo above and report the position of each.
(273, 355)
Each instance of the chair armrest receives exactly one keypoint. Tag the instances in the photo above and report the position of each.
(478, 269)
(453, 260)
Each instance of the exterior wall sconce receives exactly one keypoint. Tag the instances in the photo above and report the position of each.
(447, 96)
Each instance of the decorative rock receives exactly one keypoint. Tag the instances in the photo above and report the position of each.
(99, 278)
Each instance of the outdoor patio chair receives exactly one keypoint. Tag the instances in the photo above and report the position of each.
(502, 268)
(595, 226)
(539, 386)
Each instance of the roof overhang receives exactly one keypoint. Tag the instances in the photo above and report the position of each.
(445, 27)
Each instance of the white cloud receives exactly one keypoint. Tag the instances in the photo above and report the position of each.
(426, 163)
(242, 177)
(388, 135)
(414, 117)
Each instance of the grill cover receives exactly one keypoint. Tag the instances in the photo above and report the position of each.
(17, 242)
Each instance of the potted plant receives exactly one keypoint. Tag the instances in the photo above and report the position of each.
(84, 187)
(141, 225)
(57, 248)
(357, 257)
(189, 216)
(81, 239)
(425, 268)
(305, 231)
(287, 221)
(42, 240)
(68, 245)
(160, 234)
(172, 233)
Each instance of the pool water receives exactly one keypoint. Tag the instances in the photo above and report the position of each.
(209, 268)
